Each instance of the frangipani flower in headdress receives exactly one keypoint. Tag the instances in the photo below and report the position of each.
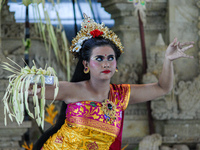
(91, 29)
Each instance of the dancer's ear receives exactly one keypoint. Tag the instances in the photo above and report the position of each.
(85, 63)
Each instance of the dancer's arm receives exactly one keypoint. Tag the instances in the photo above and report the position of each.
(146, 92)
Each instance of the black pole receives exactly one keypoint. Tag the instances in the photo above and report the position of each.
(79, 7)
(26, 59)
(75, 24)
(144, 70)
(97, 11)
(27, 36)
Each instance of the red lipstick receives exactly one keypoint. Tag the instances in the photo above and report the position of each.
(106, 71)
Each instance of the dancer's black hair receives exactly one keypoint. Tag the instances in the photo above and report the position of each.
(79, 75)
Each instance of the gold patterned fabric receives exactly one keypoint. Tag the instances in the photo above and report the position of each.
(86, 127)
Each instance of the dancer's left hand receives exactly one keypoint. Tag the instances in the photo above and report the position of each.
(176, 50)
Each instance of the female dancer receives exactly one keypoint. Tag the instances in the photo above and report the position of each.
(92, 110)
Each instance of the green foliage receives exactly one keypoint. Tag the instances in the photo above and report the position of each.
(136, 148)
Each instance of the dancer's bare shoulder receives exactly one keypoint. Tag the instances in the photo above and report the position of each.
(68, 91)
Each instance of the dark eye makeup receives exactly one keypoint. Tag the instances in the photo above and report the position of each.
(111, 57)
(101, 58)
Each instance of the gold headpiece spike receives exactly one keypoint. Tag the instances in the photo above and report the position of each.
(85, 16)
(87, 23)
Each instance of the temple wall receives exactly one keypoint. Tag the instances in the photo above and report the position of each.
(179, 110)
(11, 46)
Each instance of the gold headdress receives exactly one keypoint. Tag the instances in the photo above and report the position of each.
(91, 29)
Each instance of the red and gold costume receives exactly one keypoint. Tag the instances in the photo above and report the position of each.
(88, 126)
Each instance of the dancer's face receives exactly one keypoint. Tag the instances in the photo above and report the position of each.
(102, 62)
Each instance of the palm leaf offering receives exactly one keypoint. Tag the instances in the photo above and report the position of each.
(50, 34)
(16, 95)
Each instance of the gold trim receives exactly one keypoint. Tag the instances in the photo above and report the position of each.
(128, 97)
(94, 125)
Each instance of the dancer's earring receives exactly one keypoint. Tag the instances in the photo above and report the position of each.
(86, 70)
(116, 70)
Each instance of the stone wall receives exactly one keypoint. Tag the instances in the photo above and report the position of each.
(12, 133)
(12, 33)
